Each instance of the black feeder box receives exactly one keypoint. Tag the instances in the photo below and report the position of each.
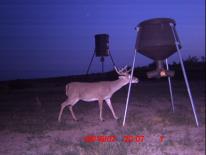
(102, 45)
(155, 40)
(101, 50)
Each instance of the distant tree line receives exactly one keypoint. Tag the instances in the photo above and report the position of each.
(194, 66)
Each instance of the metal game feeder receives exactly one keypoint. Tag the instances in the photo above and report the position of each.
(101, 50)
(157, 39)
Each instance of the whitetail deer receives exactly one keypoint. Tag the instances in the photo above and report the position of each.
(95, 91)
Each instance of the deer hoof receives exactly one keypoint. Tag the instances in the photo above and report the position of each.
(117, 118)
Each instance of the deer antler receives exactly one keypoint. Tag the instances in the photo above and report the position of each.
(122, 71)
(129, 70)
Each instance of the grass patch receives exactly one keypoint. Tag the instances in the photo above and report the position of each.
(70, 153)
(176, 118)
(32, 123)
(62, 142)
(136, 119)
(112, 148)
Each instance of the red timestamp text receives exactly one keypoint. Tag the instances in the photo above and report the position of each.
(112, 138)
(131, 138)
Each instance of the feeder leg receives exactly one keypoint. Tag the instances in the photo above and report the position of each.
(112, 60)
(188, 88)
(102, 61)
(90, 63)
(185, 76)
(170, 87)
(129, 89)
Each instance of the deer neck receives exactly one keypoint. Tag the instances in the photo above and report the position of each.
(118, 84)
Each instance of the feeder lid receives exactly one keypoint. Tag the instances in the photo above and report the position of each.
(101, 35)
(157, 21)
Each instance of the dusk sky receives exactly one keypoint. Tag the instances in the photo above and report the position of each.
(48, 38)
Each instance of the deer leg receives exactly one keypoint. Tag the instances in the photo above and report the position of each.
(100, 109)
(108, 101)
(67, 103)
(63, 105)
(73, 115)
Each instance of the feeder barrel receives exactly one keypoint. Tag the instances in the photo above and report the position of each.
(155, 38)
(102, 45)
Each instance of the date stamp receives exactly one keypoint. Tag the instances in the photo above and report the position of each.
(101, 139)
(131, 138)
(113, 138)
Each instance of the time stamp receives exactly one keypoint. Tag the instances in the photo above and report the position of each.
(112, 138)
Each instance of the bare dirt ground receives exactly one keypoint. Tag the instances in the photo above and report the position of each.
(30, 127)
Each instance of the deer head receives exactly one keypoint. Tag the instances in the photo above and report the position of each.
(124, 74)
